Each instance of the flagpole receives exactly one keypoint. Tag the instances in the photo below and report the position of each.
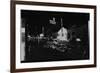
(61, 22)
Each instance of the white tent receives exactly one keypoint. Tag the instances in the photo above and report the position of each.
(62, 34)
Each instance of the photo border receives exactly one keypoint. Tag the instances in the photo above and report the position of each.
(13, 35)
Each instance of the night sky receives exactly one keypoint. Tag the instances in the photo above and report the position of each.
(38, 19)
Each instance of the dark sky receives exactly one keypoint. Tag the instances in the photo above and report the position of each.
(35, 20)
